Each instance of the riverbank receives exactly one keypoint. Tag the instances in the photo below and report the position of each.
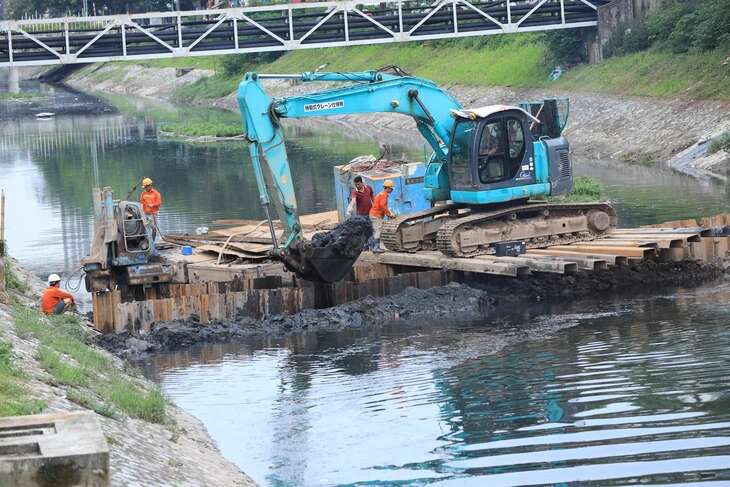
(49, 365)
(640, 130)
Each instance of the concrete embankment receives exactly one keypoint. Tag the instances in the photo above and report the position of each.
(478, 298)
(60, 372)
(628, 128)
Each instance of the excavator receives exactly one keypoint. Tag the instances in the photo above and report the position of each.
(488, 166)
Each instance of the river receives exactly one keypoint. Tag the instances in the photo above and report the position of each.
(629, 391)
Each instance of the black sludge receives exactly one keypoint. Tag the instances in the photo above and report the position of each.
(331, 254)
(348, 238)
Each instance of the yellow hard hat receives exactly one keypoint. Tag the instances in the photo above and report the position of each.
(146, 182)
(388, 184)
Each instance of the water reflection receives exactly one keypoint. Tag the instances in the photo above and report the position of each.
(636, 392)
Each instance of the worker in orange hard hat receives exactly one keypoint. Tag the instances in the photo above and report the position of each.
(379, 211)
(151, 200)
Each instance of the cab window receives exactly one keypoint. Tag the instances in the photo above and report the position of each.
(516, 139)
(459, 169)
(501, 149)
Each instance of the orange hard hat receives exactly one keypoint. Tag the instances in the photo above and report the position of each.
(388, 184)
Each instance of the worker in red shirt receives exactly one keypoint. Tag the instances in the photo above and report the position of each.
(361, 198)
(379, 211)
(54, 300)
(151, 200)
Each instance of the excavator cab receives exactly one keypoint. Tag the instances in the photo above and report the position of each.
(494, 157)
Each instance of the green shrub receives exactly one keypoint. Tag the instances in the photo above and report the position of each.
(12, 281)
(14, 398)
(148, 405)
(60, 369)
(238, 64)
(89, 401)
(565, 47)
(722, 143)
(585, 189)
(680, 27)
(66, 354)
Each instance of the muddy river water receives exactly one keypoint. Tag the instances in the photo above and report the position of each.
(631, 390)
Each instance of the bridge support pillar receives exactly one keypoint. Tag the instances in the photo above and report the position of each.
(13, 80)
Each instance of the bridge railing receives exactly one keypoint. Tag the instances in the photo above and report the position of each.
(277, 27)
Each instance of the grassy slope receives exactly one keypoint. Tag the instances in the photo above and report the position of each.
(654, 73)
(90, 376)
(517, 62)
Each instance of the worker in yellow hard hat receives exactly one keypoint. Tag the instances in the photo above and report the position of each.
(151, 200)
(379, 211)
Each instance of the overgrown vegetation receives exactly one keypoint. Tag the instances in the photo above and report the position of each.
(195, 128)
(679, 27)
(655, 73)
(584, 189)
(566, 47)
(721, 143)
(12, 281)
(65, 353)
(21, 96)
(515, 60)
(14, 397)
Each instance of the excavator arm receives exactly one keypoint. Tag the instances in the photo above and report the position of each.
(368, 92)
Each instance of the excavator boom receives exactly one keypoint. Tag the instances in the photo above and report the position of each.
(368, 92)
(485, 165)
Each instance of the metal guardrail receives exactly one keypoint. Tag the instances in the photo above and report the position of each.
(284, 27)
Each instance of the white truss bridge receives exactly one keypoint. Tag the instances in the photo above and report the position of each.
(285, 27)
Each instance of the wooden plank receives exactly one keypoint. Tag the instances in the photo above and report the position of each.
(611, 259)
(536, 264)
(436, 260)
(642, 252)
(230, 252)
(694, 236)
(675, 224)
(659, 230)
(621, 242)
(583, 263)
(657, 242)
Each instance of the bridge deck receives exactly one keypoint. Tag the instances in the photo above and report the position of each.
(277, 28)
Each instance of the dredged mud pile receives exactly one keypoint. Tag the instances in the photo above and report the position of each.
(347, 238)
(483, 296)
(646, 276)
(453, 301)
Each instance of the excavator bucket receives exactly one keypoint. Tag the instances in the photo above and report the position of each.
(327, 265)
(329, 256)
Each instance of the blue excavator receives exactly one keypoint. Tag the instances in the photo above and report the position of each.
(486, 169)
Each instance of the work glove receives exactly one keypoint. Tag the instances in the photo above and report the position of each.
(350, 212)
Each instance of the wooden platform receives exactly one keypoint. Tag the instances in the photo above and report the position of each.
(210, 287)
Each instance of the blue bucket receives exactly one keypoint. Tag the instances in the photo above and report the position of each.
(187, 250)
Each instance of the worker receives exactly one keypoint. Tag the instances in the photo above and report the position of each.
(54, 300)
(361, 198)
(151, 200)
(378, 212)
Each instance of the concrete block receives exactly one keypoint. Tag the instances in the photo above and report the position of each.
(62, 450)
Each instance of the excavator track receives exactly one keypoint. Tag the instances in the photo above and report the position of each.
(416, 231)
(537, 224)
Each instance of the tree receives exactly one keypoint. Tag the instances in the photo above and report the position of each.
(58, 8)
